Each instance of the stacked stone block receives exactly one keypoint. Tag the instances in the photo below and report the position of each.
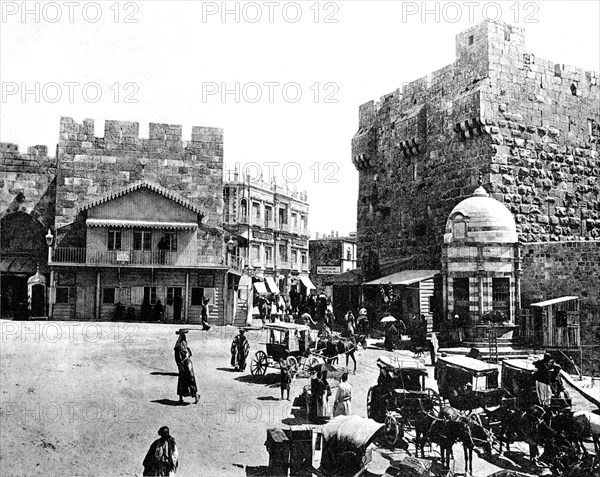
(27, 182)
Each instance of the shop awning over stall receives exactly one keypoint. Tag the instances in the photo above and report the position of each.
(271, 285)
(307, 283)
(260, 288)
(407, 277)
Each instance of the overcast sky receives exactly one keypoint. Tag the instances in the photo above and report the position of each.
(301, 69)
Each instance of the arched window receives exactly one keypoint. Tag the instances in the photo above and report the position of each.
(244, 208)
(459, 227)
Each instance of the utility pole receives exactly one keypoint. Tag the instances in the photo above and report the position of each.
(274, 187)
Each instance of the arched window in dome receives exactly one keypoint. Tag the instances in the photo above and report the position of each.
(459, 227)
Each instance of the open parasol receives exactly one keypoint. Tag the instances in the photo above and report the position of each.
(388, 319)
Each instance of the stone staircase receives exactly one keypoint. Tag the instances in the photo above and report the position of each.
(241, 314)
(507, 349)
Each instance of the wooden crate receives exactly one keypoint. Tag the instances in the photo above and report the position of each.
(301, 451)
(278, 446)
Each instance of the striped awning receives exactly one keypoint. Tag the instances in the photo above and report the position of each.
(140, 224)
(272, 285)
(260, 288)
(307, 283)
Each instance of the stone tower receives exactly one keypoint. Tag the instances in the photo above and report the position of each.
(529, 125)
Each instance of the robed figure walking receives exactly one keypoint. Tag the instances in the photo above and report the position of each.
(162, 457)
(240, 348)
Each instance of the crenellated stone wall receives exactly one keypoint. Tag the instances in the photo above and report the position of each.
(529, 126)
(91, 166)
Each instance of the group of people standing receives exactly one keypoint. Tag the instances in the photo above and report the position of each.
(321, 392)
(416, 329)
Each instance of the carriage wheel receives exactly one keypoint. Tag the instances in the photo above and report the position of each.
(392, 429)
(259, 364)
(435, 400)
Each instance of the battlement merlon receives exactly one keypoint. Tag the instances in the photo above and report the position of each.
(116, 131)
(479, 49)
(9, 149)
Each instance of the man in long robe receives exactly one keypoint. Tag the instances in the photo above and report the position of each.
(543, 379)
(343, 398)
(240, 348)
(162, 458)
(321, 393)
(186, 383)
(181, 345)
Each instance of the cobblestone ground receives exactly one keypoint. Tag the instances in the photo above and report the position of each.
(87, 399)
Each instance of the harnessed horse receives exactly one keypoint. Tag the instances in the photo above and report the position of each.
(331, 346)
(445, 432)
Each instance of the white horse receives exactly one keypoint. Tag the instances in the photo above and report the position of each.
(587, 424)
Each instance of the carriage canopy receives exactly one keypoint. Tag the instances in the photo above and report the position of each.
(518, 378)
(453, 372)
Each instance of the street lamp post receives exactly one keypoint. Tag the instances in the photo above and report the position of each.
(49, 242)
(230, 250)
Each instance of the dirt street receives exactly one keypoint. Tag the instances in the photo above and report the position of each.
(87, 399)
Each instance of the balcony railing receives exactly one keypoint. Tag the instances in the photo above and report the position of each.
(269, 263)
(138, 257)
(256, 262)
(270, 224)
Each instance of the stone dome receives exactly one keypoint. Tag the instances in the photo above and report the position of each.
(480, 219)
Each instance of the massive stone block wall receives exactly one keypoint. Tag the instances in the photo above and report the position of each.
(557, 269)
(90, 166)
(529, 126)
(27, 182)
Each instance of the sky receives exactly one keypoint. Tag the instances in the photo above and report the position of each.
(283, 79)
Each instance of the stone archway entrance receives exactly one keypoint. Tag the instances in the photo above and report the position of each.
(22, 248)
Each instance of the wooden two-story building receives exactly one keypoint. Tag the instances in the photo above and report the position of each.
(137, 246)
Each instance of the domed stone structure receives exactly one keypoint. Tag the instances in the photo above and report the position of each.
(480, 262)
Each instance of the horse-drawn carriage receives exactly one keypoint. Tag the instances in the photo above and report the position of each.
(518, 378)
(288, 341)
(399, 395)
(468, 383)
